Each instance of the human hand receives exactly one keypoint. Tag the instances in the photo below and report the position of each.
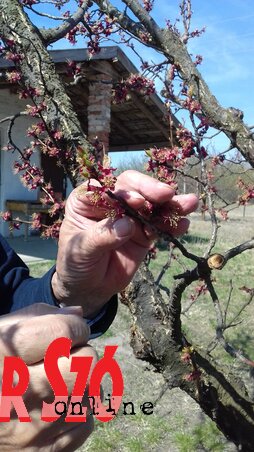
(27, 333)
(98, 256)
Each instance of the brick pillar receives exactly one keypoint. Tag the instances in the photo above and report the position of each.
(99, 110)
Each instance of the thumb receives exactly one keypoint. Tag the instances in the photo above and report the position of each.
(29, 338)
(107, 235)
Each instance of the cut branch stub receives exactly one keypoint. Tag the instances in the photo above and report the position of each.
(216, 261)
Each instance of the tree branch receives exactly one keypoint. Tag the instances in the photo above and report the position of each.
(38, 70)
(54, 34)
(221, 328)
(249, 244)
(170, 44)
(135, 29)
(157, 329)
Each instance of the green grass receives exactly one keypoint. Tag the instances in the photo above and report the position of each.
(140, 433)
(39, 269)
(104, 439)
(200, 320)
(172, 427)
(204, 437)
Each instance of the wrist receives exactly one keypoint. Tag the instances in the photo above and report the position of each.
(65, 294)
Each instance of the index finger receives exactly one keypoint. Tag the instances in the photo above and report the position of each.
(145, 187)
(29, 338)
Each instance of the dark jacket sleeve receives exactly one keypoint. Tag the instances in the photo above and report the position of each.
(18, 289)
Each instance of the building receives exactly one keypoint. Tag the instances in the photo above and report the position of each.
(139, 123)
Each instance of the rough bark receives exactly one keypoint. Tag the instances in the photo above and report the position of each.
(33, 42)
(156, 337)
(54, 34)
(38, 70)
(168, 42)
(156, 332)
(226, 120)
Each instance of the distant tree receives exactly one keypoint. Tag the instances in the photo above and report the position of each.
(157, 336)
(136, 162)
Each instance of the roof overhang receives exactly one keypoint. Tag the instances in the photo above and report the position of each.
(139, 123)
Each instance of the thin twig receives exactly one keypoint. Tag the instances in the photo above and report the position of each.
(221, 328)
(165, 235)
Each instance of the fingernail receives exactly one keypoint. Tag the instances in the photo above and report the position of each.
(162, 185)
(123, 227)
(135, 195)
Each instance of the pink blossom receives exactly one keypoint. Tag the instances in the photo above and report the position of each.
(148, 5)
(34, 110)
(13, 56)
(36, 221)
(6, 216)
(29, 92)
(13, 77)
(36, 129)
(193, 376)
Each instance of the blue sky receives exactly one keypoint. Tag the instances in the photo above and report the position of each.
(228, 50)
(226, 46)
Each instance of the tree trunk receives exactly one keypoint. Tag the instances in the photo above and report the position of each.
(38, 71)
(156, 337)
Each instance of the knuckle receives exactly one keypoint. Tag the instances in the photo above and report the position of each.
(62, 326)
(71, 326)
(129, 172)
(94, 239)
(87, 350)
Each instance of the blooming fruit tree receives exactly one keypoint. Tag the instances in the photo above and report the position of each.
(157, 335)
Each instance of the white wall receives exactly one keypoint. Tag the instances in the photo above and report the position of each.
(10, 184)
